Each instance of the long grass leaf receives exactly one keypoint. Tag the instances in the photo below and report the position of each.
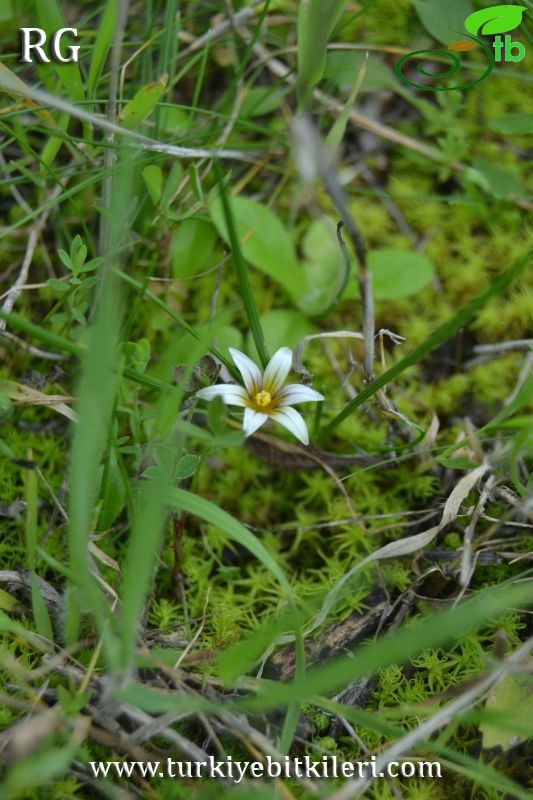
(316, 20)
(96, 394)
(241, 272)
(102, 43)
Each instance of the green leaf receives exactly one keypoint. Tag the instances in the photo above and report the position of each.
(513, 693)
(204, 509)
(192, 247)
(316, 20)
(143, 103)
(72, 703)
(216, 416)
(456, 463)
(398, 273)
(515, 123)
(241, 268)
(187, 466)
(337, 132)
(494, 179)
(87, 283)
(78, 252)
(6, 410)
(237, 659)
(172, 183)
(265, 242)
(7, 601)
(66, 259)
(102, 43)
(91, 265)
(443, 20)
(283, 327)
(153, 179)
(114, 494)
(342, 67)
(6, 10)
(138, 354)
(40, 611)
(41, 616)
(496, 19)
(261, 100)
(60, 286)
(228, 336)
(323, 267)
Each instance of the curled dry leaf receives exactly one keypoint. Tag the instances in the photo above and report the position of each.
(460, 492)
(27, 396)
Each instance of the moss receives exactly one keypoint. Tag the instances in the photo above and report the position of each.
(389, 22)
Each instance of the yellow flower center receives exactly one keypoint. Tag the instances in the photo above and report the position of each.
(263, 399)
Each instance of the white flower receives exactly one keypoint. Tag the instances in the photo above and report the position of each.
(264, 397)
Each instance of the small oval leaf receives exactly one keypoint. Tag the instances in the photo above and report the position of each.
(265, 241)
(463, 44)
(142, 103)
(399, 273)
(187, 466)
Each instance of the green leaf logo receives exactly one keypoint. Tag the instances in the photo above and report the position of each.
(498, 19)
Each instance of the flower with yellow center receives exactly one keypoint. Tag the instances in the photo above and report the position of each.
(264, 396)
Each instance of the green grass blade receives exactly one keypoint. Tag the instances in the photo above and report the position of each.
(102, 43)
(316, 20)
(97, 391)
(241, 271)
(199, 507)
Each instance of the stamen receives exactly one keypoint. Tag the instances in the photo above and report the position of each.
(263, 399)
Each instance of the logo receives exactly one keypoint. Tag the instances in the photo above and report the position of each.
(40, 54)
(487, 21)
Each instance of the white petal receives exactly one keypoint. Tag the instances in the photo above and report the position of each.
(293, 421)
(277, 370)
(230, 393)
(252, 421)
(297, 393)
(251, 374)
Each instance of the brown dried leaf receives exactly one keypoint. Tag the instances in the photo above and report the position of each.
(25, 395)
(460, 492)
